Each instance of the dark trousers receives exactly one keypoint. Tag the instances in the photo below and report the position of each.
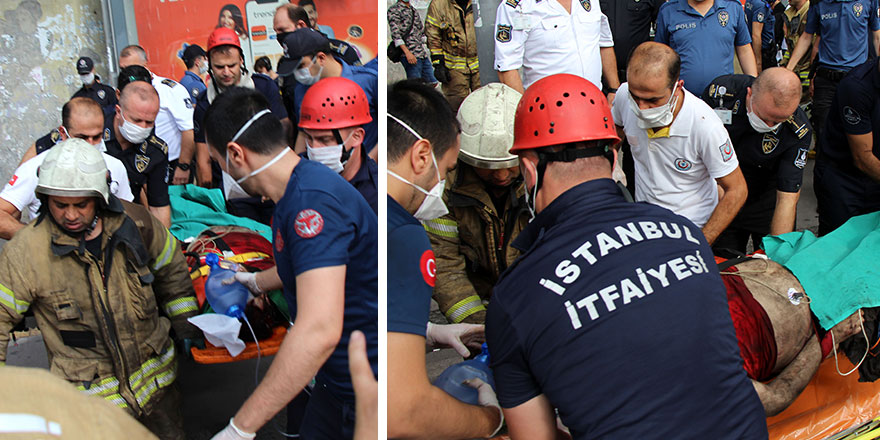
(840, 196)
(327, 416)
(736, 239)
(823, 92)
(165, 420)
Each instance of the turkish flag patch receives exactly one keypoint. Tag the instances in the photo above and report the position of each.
(309, 223)
(428, 267)
(12, 180)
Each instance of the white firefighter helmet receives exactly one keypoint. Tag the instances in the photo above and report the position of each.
(74, 168)
(486, 117)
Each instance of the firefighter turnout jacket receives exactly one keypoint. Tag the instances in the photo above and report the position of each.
(472, 244)
(451, 35)
(105, 320)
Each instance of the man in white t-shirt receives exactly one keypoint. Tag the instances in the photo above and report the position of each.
(553, 36)
(174, 123)
(681, 150)
(18, 201)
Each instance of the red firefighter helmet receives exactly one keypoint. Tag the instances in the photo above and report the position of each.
(223, 37)
(561, 109)
(334, 103)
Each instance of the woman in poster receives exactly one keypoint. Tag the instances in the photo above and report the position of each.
(231, 17)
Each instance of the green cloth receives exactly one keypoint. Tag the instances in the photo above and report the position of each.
(194, 209)
(839, 271)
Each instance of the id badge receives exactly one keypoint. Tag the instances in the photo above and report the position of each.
(725, 115)
(521, 22)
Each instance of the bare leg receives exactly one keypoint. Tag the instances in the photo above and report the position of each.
(784, 389)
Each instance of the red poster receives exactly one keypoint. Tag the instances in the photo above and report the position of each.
(164, 26)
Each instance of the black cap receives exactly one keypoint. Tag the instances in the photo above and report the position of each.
(192, 52)
(84, 65)
(299, 43)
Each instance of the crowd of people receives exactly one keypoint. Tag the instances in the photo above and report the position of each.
(87, 215)
(508, 204)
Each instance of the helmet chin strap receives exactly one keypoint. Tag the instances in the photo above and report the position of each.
(346, 154)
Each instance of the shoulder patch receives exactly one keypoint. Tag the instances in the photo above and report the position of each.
(503, 33)
(428, 267)
(12, 180)
(106, 134)
(188, 102)
(55, 136)
(851, 116)
(726, 150)
(169, 82)
(101, 94)
(195, 92)
(801, 160)
(308, 223)
(512, 3)
(769, 143)
(759, 17)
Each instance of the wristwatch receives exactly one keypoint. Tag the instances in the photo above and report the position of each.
(184, 166)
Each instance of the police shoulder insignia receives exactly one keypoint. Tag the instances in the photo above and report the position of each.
(851, 116)
(759, 17)
(101, 94)
(586, 4)
(769, 143)
(800, 128)
(309, 223)
(188, 102)
(141, 162)
(55, 135)
(168, 82)
(801, 160)
(512, 3)
(503, 34)
(195, 92)
(106, 134)
(159, 143)
(723, 18)
(858, 9)
(735, 107)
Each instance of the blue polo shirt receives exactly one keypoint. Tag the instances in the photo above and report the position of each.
(707, 43)
(411, 272)
(616, 313)
(758, 11)
(321, 221)
(193, 84)
(366, 76)
(843, 26)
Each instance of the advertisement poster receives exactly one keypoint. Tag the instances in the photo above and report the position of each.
(164, 28)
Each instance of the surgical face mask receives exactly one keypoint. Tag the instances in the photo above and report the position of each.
(100, 145)
(757, 123)
(530, 201)
(330, 155)
(304, 75)
(132, 132)
(203, 68)
(432, 206)
(655, 117)
(88, 78)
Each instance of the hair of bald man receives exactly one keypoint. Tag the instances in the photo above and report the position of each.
(782, 84)
(81, 107)
(652, 58)
(134, 50)
(143, 90)
(296, 13)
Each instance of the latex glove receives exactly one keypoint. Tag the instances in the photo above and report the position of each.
(249, 279)
(486, 397)
(232, 432)
(456, 336)
(442, 73)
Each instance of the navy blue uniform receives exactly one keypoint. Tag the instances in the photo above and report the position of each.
(365, 181)
(770, 162)
(842, 190)
(758, 11)
(411, 272)
(193, 85)
(707, 43)
(146, 164)
(321, 221)
(104, 95)
(616, 313)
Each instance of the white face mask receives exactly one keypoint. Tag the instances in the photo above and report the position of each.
(757, 123)
(432, 206)
(88, 78)
(203, 68)
(100, 146)
(330, 155)
(132, 132)
(304, 75)
(655, 117)
(530, 201)
(238, 135)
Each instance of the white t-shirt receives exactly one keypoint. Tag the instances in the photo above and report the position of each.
(544, 39)
(175, 113)
(678, 172)
(19, 191)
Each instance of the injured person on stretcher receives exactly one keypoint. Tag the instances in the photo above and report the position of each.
(776, 333)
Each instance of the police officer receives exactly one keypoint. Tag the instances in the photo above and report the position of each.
(92, 88)
(422, 148)
(762, 23)
(326, 254)
(174, 124)
(630, 22)
(196, 61)
(614, 288)
(771, 136)
(144, 155)
(290, 17)
(335, 134)
(706, 34)
(486, 208)
(847, 173)
(452, 40)
(844, 28)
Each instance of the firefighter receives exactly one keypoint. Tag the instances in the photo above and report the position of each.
(452, 40)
